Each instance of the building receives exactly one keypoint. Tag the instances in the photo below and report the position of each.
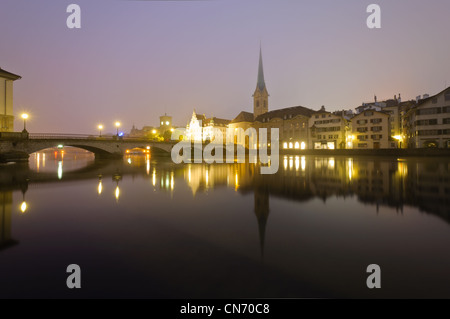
(428, 123)
(328, 131)
(370, 130)
(204, 129)
(6, 100)
(292, 122)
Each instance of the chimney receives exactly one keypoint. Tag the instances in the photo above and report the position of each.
(399, 98)
(375, 97)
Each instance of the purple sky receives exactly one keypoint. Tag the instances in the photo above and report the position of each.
(134, 60)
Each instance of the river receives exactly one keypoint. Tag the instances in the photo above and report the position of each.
(145, 227)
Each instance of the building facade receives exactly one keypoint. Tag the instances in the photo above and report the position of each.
(428, 123)
(370, 130)
(6, 100)
(202, 129)
(328, 131)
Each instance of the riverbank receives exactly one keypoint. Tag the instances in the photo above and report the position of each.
(417, 152)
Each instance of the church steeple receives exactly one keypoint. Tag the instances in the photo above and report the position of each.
(261, 96)
(261, 84)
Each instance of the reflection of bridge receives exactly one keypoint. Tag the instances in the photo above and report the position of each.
(19, 146)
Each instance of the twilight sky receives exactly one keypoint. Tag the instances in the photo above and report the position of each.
(134, 60)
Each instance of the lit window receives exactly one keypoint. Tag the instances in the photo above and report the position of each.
(167, 122)
(297, 145)
(162, 123)
(291, 145)
(285, 145)
(303, 146)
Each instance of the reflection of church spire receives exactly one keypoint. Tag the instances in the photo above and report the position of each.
(262, 214)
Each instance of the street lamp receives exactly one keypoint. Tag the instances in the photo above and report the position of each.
(100, 128)
(117, 126)
(25, 117)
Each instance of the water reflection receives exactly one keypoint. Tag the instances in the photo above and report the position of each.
(418, 182)
(156, 187)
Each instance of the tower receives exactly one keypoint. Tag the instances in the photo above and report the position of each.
(261, 96)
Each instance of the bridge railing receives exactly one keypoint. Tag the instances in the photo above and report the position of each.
(56, 136)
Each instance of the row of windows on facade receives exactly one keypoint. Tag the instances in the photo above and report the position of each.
(366, 129)
(330, 137)
(366, 137)
(432, 132)
(432, 122)
(373, 121)
(433, 110)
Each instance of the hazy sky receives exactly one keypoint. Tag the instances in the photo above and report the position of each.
(134, 60)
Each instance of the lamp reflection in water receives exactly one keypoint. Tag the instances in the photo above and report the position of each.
(154, 177)
(100, 185)
(24, 205)
(117, 178)
(60, 169)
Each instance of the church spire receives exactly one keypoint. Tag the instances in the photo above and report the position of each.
(261, 96)
(261, 84)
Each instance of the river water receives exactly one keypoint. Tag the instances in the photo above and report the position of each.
(145, 227)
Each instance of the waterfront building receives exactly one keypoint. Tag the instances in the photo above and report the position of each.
(428, 123)
(6, 100)
(370, 130)
(328, 131)
(292, 122)
(203, 129)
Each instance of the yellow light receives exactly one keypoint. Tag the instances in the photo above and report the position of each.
(154, 131)
(167, 123)
(100, 127)
(171, 130)
(148, 147)
(290, 145)
(297, 145)
(285, 145)
(398, 137)
(24, 116)
(303, 145)
(23, 207)
(100, 187)
(117, 192)
(117, 124)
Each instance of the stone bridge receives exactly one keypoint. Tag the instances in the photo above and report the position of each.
(18, 146)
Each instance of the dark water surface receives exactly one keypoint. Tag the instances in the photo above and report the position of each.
(144, 227)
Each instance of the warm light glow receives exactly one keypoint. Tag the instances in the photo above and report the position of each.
(60, 170)
(398, 137)
(167, 123)
(331, 163)
(100, 187)
(117, 193)
(303, 163)
(236, 181)
(117, 124)
(297, 145)
(154, 177)
(23, 207)
(148, 166)
(290, 145)
(297, 163)
(100, 127)
(285, 145)
(24, 116)
(171, 129)
(60, 146)
(207, 178)
(330, 145)
(303, 146)
(129, 161)
(154, 131)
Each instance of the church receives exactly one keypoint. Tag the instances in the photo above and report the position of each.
(292, 122)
